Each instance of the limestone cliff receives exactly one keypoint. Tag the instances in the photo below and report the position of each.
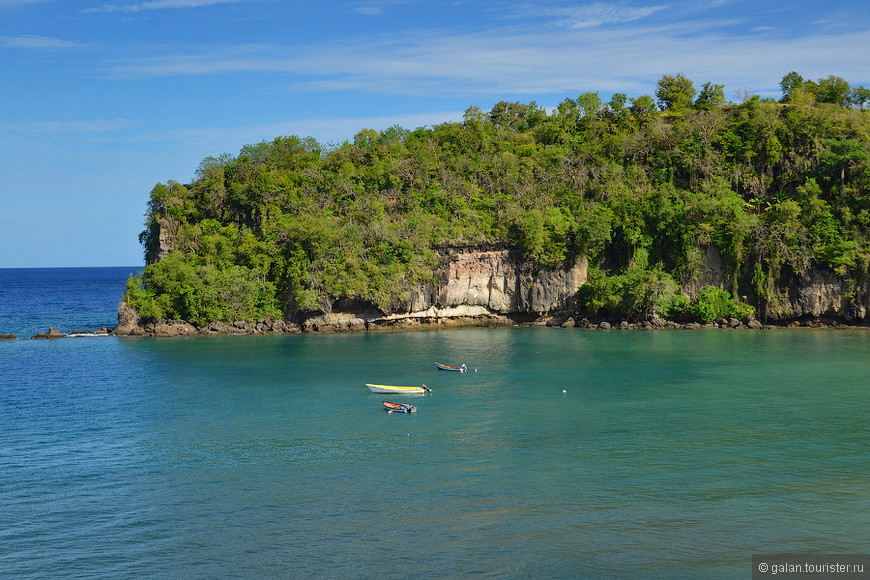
(474, 286)
(818, 292)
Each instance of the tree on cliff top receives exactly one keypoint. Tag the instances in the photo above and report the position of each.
(675, 92)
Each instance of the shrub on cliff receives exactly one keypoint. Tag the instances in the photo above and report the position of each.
(201, 294)
(715, 304)
(640, 294)
(637, 294)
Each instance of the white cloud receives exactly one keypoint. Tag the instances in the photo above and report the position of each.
(99, 125)
(158, 5)
(13, 3)
(369, 10)
(600, 14)
(33, 41)
(376, 7)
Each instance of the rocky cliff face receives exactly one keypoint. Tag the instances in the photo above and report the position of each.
(711, 273)
(818, 292)
(500, 281)
(474, 286)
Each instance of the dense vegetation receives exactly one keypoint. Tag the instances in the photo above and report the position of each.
(641, 186)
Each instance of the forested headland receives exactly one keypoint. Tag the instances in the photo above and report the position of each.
(640, 186)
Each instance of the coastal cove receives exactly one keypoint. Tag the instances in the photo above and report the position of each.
(566, 454)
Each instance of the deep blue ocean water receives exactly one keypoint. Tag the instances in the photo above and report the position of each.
(567, 454)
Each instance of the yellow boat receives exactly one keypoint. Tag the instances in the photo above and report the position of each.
(421, 390)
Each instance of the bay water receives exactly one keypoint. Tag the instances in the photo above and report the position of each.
(564, 453)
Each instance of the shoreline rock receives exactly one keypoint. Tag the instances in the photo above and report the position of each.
(52, 333)
(347, 323)
(100, 331)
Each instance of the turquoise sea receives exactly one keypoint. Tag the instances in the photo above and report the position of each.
(565, 453)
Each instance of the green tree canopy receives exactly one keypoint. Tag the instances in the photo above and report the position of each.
(675, 92)
(711, 96)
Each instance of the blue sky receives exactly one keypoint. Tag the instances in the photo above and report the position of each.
(101, 100)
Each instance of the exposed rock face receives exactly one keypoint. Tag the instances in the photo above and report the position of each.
(128, 321)
(712, 273)
(171, 328)
(167, 232)
(485, 287)
(491, 283)
(500, 281)
(99, 332)
(818, 292)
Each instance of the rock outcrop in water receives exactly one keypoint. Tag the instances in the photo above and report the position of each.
(52, 333)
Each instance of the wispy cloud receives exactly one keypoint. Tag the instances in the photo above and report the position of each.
(375, 7)
(369, 10)
(96, 126)
(600, 14)
(157, 5)
(516, 62)
(222, 60)
(14, 3)
(32, 41)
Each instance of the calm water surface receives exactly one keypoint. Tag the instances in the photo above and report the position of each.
(568, 454)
